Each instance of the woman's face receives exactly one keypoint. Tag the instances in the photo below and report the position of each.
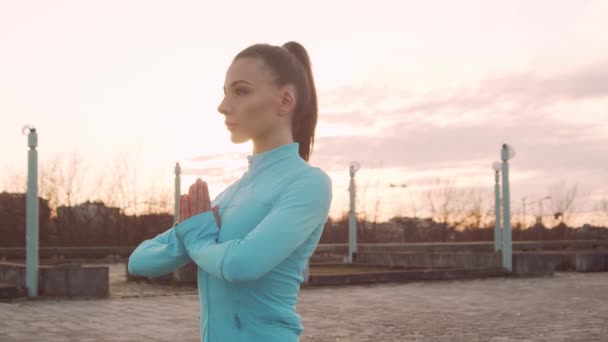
(252, 101)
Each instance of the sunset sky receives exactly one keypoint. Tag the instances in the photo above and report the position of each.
(414, 90)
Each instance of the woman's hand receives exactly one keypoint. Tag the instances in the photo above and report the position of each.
(196, 201)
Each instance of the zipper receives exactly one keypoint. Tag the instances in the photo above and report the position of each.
(208, 305)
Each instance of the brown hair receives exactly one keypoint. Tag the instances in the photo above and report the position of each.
(291, 65)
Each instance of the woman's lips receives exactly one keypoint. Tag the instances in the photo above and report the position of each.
(231, 124)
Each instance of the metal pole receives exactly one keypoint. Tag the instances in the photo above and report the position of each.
(31, 237)
(352, 219)
(523, 204)
(178, 171)
(497, 228)
(540, 214)
(507, 259)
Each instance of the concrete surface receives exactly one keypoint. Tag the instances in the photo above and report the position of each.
(565, 307)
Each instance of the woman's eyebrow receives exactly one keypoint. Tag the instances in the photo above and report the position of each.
(239, 81)
(234, 83)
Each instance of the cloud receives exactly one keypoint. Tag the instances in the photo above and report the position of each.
(358, 117)
(587, 81)
(502, 98)
(525, 90)
(426, 145)
(457, 133)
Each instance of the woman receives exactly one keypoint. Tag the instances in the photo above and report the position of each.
(252, 242)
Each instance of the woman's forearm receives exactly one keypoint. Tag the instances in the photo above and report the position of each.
(158, 256)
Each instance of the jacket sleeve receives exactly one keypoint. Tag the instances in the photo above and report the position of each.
(301, 209)
(160, 255)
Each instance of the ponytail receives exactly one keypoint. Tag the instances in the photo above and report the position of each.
(291, 64)
(306, 113)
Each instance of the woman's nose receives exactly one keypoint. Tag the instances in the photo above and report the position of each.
(223, 107)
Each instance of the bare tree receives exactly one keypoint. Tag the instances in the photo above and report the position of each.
(376, 209)
(71, 180)
(361, 200)
(15, 182)
(119, 185)
(377, 203)
(413, 202)
(602, 210)
(49, 183)
(479, 212)
(446, 206)
(563, 200)
(414, 209)
(63, 180)
(159, 200)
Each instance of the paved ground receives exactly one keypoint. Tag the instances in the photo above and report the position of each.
(566, 307)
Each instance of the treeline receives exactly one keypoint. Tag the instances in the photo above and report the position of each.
(95, 224)
(85, 224)
(407, 230)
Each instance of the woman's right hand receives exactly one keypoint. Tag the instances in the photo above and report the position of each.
(196, 201)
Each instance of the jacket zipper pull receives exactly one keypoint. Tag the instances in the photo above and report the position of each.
(237, 320)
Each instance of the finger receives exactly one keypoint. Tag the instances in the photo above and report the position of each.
(183, 208)
(206, 198)
(192, 200)
(200, 195)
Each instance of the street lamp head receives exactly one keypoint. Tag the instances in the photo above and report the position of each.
(508, 152)
(497, 166)
(27, 129)
(354, 167)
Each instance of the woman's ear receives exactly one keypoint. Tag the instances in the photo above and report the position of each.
(288, 100)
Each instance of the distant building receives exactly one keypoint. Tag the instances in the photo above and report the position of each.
(90, 213)
(13, 221)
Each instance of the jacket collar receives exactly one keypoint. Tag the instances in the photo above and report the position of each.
(261, 160)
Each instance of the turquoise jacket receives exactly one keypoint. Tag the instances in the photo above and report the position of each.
(250, 269)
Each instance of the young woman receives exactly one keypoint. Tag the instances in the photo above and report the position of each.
(252, 242)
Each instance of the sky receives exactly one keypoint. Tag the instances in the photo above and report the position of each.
(421, 93)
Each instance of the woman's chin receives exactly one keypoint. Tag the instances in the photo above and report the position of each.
(238, 139)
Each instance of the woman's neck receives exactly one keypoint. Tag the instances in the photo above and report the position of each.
(271, 141)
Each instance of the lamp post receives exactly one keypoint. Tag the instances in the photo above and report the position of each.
(523, 217)
(352, 214)
(524, 204)
(540, 208)
(507, 152)
(497, 226)
(402, 186)
(32, 224)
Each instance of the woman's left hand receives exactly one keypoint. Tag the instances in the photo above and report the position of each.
(196, 201)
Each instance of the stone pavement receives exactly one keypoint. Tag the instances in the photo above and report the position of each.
(566, 307)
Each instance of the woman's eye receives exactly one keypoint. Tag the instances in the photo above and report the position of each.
(241, 91)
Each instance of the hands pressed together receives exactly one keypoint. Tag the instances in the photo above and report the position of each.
(197, 201)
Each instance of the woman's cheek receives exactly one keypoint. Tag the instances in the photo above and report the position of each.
(255, 107)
